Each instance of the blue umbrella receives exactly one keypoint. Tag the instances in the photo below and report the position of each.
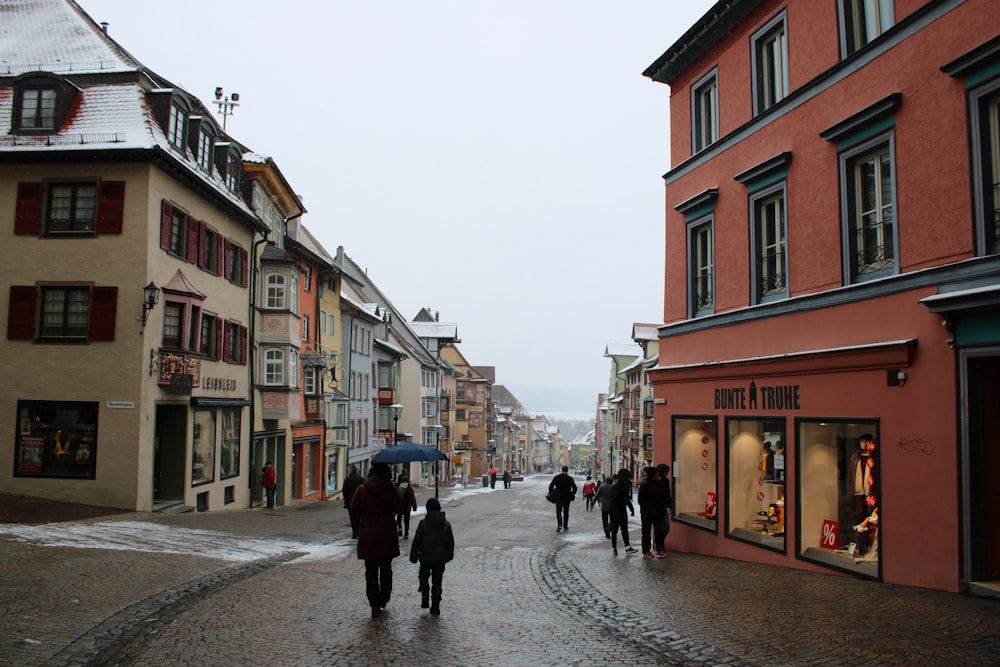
(406, 452)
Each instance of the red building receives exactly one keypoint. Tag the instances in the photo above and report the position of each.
(828, 386)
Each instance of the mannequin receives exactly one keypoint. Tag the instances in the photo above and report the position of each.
(863, 495)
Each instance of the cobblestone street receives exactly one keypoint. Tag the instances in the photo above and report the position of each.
(284, 587)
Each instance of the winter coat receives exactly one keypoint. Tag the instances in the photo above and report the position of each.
(434, 543)
(408, 499)
(654, 498)
(376, 503)
(621, 499)
(604, 496)
(589, 488)
(269, 481)
(564, 488)
(351, 484)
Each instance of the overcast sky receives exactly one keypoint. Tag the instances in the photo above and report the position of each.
(498, 161)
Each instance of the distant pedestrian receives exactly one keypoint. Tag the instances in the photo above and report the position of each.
(506, 479)
(589, 489)
(376, 504)
(604, 499)
(654, 501)
(351, 484)
(269, 481)
(493, 479)
(564, 489)
(434, 546)
(621, 500)
(408, 502)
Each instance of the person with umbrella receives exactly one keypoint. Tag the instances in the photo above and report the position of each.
(376, 503)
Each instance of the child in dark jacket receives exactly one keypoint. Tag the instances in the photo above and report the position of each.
(433, 545)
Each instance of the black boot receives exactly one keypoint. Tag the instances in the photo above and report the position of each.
(436, 607)
(424, 599)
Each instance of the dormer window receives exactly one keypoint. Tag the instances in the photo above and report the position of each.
(206, 147)
(38, 109)
(233, 166)
(177, 128)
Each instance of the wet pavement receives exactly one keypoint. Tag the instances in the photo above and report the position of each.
(284, 587)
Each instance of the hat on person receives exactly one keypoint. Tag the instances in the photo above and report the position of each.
(433, 505)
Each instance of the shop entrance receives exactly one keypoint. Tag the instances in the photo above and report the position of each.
(982, 466)
(266, 447)
(169, 451)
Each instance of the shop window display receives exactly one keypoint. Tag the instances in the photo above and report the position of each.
(839, 492)
(756, 487)
(695, 455)
(56, 439)
(203, 447)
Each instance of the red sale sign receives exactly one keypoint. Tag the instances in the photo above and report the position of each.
(710, 505)
(830, 537)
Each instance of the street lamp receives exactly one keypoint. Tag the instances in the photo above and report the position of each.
(395, 410)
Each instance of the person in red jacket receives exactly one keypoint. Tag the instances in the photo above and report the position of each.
(376, 503)
(270, 483)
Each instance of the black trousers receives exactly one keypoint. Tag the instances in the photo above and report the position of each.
(403, 522)
(619, 523)
(562, 514)
(378, 582)
(606, 522)
(436, 575)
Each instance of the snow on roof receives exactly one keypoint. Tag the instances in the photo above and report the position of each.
(439, 330)
(26, 32)
(622, 350)
(643, 331)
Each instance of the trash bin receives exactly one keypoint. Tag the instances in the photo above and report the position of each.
(486, 480)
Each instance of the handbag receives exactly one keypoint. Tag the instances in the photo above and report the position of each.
(549, 496)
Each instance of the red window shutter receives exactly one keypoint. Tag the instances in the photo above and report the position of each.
(220, 341)
(220, 256)
(228, 341)
(110, 207)
(166, 216)
(103, 309)
(21, 313)
(227, 266)
(243, 346)
(243, 267)
(28, 213)
(194, 227)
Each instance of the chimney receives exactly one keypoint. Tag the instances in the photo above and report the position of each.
(437, 316)
(104, 27)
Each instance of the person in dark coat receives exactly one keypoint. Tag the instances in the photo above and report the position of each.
(376, 503)
(604, 499)
(434, 546)
(564, 489)
(351, 484)
(661, 527)
(654, 502)
(621, 501)
(409, 500)
(506, 479)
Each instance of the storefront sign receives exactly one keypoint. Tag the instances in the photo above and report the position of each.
(218, 384)
(775, 397)
(121, 405)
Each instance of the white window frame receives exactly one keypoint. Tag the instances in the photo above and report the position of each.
(274, 367)
(275, 291)
(705, 111)
(177, 128)
(701, 263)
(38, 108)
(769, 55)
(769, 244)
(883, 233)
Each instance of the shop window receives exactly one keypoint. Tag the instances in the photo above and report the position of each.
(695, 456)
(332, 472)
(861, 21)
(705, 112)
(56, 439)
(770, 64)
(838, 491)
(203, 448)
(755, 497)
(229, 460)
(701, 260)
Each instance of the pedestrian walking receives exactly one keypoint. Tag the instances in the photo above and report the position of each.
(604, 499)
(351, 484)
(408, 501)
(269, 481)
(433, 546)
(621, 500)
(564, 489)
(654, 501)
(589, 489)
(376, 504)
(493, 479)
(506, 479)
